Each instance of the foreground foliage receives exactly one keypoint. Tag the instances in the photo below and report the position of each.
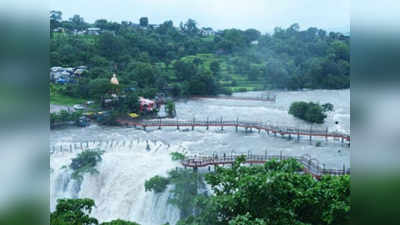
(273, 194)
(77, 212)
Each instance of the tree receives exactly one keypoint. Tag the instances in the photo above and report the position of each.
(190, 27)
(99, 87)
(85, 162)
(132, 102)
(170, 108)
(157, 184)
(119, 222)
(55, 19)
(184, 70)
(144, 21)
(102, 24)
(215, 67)
(327, 107)
(311, 112)
(252, 35)
(78, 22)
(73, 212)
(277, 194)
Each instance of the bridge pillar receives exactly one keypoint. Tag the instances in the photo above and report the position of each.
(259, 130)
(290, 136)
(177, 125)
(326, 135)
(144, 127)
(207, 124)
(298, 135)
(195, 169)
(310, 138)
(237, 124)
(344, 169)
(159, 127)
(222, 124)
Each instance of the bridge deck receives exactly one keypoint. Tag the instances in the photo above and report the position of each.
(282, 130)
(259, 98)
(311, 166)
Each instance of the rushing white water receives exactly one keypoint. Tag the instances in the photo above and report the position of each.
(118, 189)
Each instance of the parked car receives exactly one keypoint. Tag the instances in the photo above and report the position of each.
(89, 102)
(78, 107)
(83, 121)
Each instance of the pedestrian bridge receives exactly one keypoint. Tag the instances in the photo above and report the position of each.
(311, 166)
(290, 132)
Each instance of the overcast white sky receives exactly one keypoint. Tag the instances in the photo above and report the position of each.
(264, 15)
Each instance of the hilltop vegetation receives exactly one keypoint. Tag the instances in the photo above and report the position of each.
(185, 61)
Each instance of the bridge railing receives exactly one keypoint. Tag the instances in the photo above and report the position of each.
(310, 165)
(245, 124)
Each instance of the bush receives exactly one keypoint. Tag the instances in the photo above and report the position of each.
(85, 162)
(226, 91)
(311, 112)
(176, 156)
(157, 184)
(170, 108)
(242, 89)
(327, 107)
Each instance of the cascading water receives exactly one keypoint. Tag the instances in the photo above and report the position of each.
(118, 189)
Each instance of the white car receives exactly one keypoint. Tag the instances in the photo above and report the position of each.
(78, 107)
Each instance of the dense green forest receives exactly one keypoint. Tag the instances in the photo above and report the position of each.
(182, 60)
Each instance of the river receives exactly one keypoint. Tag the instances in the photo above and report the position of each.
(118, 189)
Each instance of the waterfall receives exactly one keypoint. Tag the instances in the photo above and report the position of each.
(118, 189)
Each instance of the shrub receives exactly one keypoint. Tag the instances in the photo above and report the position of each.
(327, 107)
(85, 162)
(226, 91)
(311, 112)
(176, 156)
(157, 184)
(170, 108)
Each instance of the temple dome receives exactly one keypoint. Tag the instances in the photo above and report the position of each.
(114, 80)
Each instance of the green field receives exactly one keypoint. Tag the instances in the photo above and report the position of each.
(59, 99)
(228, 77)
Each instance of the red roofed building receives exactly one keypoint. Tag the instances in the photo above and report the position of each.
(146, 105)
